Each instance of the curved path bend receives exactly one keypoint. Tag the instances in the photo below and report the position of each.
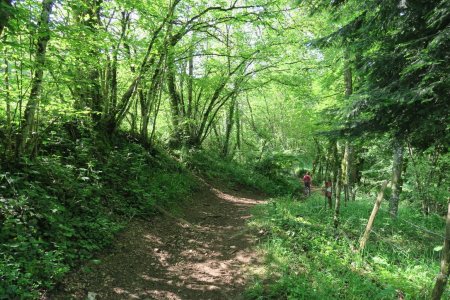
(206, 254)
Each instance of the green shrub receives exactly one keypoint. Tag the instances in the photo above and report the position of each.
(71, 201)
(233, 174)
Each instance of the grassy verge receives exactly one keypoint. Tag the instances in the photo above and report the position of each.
(69, 203)
(305, 261)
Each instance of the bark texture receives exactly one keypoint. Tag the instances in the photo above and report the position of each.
(337, 206)
(397, 167)
(28, 125)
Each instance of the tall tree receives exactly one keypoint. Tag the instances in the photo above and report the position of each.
(348, 153)
(27, 140)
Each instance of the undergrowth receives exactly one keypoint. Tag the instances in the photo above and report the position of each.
(236, 175)
(71, 200)
(305, 260)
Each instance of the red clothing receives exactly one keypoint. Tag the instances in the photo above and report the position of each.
(328, 189)
(306, 178)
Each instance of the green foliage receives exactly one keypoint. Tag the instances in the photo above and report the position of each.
(304, 260)
(255, 82)
(397, 50)
(241, 175)
(60, 209)
(276, 164)
(426, 179)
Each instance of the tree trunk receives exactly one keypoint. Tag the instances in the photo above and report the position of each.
(112, 121)
(114, 62)
(89, 92)
(238, 127)
(348, 165)
(229, 126)
(28, 124)
(376, 207)
(335, 166)
(317, 160)
(145, 115)
(354, 174)
(190, 84)
(8, 143)
(338, 200)
(148, 100)
(442, 278)
(5, 12)
(348, 80)
(175, 100)
(397, 168)
(327, 168)
(157, 108)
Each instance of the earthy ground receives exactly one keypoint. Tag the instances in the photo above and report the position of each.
(205, 254)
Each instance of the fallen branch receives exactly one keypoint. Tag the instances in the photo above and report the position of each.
(376, 207)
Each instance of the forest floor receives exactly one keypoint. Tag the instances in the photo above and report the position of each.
(205, 254)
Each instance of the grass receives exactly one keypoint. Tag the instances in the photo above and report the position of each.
(305, 260)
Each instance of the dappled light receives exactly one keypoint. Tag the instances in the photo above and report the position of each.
(165, 259)
(310, 257)
(212, 149)
(235, 199)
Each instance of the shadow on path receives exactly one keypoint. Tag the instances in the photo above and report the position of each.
(203, 258)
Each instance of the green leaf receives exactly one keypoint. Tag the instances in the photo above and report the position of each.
(438, 248)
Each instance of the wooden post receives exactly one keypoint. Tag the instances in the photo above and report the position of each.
(376, 207)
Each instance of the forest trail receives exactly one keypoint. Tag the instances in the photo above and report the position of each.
(206, 254)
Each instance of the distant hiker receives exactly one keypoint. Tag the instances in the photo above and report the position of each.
(307, 181)
(328, 193)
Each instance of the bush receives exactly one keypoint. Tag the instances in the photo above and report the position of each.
(70, 202)
(230, 172)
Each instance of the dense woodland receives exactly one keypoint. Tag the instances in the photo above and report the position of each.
(107, 106)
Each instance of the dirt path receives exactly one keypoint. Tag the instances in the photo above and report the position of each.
(204, 255)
